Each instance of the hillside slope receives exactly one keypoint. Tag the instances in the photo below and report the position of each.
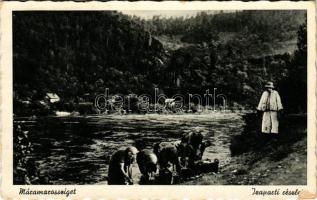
(74, 53)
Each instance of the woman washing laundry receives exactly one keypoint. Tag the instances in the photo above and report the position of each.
(270, 104)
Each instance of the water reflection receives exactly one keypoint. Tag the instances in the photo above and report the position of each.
(77, 150)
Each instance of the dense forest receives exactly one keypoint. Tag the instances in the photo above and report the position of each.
(79, 54)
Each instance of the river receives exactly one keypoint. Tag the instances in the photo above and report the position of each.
(77, 150)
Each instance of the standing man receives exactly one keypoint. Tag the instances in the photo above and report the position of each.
(270, 104)
(120, 169)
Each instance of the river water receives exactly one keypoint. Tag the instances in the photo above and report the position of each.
(77, 150)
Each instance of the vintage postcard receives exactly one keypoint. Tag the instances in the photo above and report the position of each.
(158, 100)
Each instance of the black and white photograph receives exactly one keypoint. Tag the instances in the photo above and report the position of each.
(158, 100)
(160, 97)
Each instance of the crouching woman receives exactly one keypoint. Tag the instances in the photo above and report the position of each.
(120, 169)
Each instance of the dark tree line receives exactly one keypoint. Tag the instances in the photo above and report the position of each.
(271, 25)
(74, 53)
(78, 53)
(238, 52)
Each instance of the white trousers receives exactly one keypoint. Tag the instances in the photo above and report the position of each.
(270, 122)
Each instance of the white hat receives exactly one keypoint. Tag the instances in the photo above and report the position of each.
(132, 149)
(269, 85)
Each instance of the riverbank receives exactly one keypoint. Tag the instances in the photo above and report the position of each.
(259, 160)
(76, 150)
(69, 146)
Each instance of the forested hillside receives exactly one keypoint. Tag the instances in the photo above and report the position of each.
(74, 54)
(71, 54)
(237, 52)
(258, 32)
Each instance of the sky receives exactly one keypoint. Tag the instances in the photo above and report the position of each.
(148, 14)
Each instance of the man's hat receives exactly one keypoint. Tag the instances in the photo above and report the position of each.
(269, 85)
